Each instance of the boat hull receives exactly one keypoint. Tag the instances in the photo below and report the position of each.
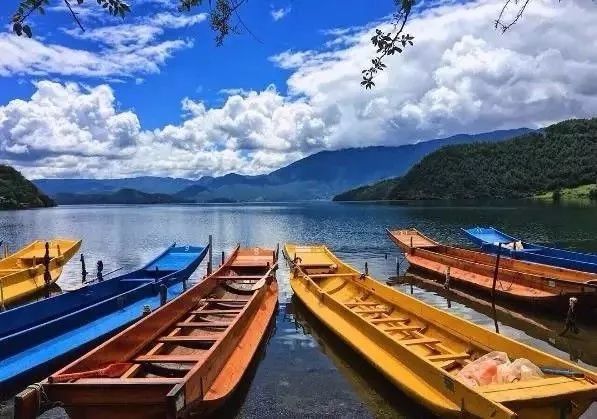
(22, 273)
(356, 307)
(545, 287)
(186, 357)
(486, 238)
(77, 320)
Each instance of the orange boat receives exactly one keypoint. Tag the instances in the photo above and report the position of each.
(186, 357)
(516, 279)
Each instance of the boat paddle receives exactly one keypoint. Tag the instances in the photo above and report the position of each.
(111, 371)
(562, 372)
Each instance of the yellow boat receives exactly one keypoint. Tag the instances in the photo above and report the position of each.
(421, 349)
(22, 273)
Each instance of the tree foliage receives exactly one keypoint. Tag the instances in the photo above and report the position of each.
(17, 192)
(562, 156)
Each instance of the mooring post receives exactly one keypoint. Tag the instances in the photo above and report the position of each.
(366, 269)
(83, 270)
(571, 317)
(495, 273)
(447, 280)
(2, 308)
(223, 257)
(412, 250)
(397, 266)
(47, 275)
(210, 254)
(100, 268)
(163, 294)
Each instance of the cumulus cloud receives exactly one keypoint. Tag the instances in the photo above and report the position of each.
(461, 76)
(68, 130)
(281, 13)
(125, 50)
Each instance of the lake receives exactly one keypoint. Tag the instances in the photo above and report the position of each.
(304, 370)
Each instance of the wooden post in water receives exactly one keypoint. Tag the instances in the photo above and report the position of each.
(223, 257)
(495, 273)
(83, 270)
(47, 275)
(2, 308)
(210, 254)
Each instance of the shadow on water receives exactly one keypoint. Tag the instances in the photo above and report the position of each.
(233, 405)
(579, 347)
(382, 397)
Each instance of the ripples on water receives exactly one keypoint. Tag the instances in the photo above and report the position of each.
(305, 370)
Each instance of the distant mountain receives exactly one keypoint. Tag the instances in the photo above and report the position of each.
(319, 176)
(122, 196)
(16, 192)
(147, 184)
(561, 156)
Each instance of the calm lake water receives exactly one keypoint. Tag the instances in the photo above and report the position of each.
(304, 370)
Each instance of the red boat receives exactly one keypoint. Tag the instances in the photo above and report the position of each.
(518, 280)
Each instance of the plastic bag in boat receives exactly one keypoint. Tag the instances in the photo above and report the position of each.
(496, 368)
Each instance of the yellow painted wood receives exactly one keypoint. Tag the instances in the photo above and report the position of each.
(22, 273)
(423, 359)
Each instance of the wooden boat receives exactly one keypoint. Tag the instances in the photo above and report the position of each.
(44, 334)
(517, 280)
(22, 273)
(421, 349)
(187, 356)
(489, 239)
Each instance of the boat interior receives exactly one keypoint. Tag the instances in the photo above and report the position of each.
(432, 335)
(195, 328)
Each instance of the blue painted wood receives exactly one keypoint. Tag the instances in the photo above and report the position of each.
(488, 239)
(38, 337)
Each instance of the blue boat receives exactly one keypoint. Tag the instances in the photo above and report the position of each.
(489, 238)
(38, 337)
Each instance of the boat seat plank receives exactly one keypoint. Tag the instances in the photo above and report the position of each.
(445, 357)
(316, 276)
(190, 339)
(238, 277)
(169, 358)
(225, 300)
(401, 328)
(134, 380)
(203, 324)
(231, 311)
(362, 303)
(389, 320)
(373, 311)
(419, 341)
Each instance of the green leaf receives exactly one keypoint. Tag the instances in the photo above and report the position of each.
(18, 28)
(27, 31)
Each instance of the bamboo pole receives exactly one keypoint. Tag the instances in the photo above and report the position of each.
(495, 272)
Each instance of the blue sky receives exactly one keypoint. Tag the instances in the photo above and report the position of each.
(153, 95)
(202, 71)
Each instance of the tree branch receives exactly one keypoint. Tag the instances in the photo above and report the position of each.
(72, 12)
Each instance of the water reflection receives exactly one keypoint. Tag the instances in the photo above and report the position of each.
(296, 377)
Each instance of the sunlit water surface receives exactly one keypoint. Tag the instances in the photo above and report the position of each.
(304, 370)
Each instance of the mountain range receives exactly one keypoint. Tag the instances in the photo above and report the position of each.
(317, 177)
(560, 156)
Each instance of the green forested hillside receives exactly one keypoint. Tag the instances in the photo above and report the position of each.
(17, 192)
(565, 155)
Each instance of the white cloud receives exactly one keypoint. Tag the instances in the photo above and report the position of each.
(281, 13)
(67, 130)
(125, 50)
(461, 76)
